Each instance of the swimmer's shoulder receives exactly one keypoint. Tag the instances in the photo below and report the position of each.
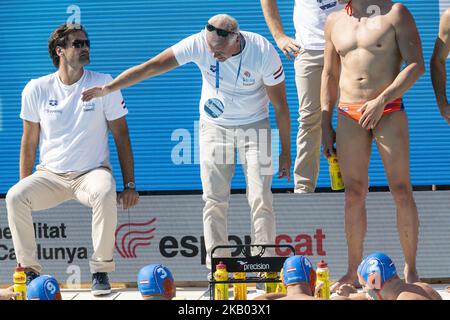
(433, 294)
(445, 19)
(398, 13)
(446, 13)
(334, 18)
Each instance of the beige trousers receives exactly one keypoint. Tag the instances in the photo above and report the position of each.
(308, 73)
(217, 163)
(45, 189)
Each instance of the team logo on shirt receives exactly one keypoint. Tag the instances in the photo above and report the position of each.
(212, 68)
(247, 78)
(51, 108)
(88, 106)
(327, 4)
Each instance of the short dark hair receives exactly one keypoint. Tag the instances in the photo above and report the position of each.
(58, 38)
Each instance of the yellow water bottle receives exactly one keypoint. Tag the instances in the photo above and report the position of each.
(20, 278)
(239, 289)
(270, 287)
(221, 289)
(335, 173)
(280, 286)
(323, 280)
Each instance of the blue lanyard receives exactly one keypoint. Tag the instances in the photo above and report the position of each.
(238, 70)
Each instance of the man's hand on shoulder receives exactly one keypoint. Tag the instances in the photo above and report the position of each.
(94, 92)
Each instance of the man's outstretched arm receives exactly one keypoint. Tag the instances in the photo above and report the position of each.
(162, 63)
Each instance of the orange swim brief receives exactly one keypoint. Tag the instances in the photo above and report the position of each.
(350, 109)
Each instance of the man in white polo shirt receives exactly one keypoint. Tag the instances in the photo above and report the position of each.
(307, 50)
(74, 157)
(241, 73)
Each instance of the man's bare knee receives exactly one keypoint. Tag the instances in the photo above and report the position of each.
(402, 194)
(355, 194)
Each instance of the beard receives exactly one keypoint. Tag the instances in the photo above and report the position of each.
(84, 59)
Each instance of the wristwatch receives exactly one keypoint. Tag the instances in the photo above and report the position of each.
(130, 185)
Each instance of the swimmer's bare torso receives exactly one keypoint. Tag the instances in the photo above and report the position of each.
(367, 46)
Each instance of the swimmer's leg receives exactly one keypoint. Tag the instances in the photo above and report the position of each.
(392, 139)
(353, 146)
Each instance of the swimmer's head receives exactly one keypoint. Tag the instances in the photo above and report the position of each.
(298, 269)
(44, 287)
(155, 282)
(374, 272)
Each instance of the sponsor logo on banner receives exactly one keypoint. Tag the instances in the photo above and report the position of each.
(54, 251)
(130, 236)
(191, 246)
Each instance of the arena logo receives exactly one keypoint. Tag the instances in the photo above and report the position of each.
(134, 235)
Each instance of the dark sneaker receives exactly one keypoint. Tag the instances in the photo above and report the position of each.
(100, 284)
(31, 275)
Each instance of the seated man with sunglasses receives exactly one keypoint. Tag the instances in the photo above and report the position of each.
(74, 154)
(241, 73)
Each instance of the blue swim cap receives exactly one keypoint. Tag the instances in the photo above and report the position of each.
(43, 288)
(156, 280)
(298, 269)
(375, 270)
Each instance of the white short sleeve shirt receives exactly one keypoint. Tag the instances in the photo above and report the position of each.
(309, 21)
(73, 133)
(233, 91)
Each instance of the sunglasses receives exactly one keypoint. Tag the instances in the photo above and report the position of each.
(220, 32)
(81, 43)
